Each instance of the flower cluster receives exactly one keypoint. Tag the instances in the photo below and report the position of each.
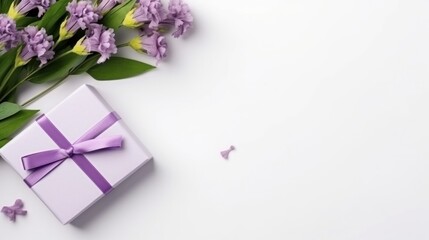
(152, 14)
(151, 18)
(100, 40)
(82, 14)
(9, 36)
(153, 45)
(25, 6)
(179, 15)
(36, 44)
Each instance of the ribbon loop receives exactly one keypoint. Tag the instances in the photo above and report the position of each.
(97, 144)
(42, 159)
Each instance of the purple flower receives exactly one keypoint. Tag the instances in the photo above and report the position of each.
(98, 39)
(154, 45)
(25, 6)
(82, 14)
(9, 36)
(180, 15)
(107, 5)
(147, 11)
(36, 44)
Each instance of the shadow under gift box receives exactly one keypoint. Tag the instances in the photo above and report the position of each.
(67, 190)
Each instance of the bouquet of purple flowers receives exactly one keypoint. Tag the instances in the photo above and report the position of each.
(45, 41)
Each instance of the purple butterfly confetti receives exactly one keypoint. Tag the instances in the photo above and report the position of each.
(16, 209)
(225, 153)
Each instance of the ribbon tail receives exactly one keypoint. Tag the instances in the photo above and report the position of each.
(21, 212)
(39, 173)
(40, 159)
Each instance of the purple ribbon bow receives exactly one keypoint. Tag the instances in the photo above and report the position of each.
(42, 163)
(16, 209)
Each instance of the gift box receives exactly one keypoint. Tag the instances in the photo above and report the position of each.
(75, 154)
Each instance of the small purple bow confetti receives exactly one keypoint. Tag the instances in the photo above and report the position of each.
(16, 209)
(225, 154)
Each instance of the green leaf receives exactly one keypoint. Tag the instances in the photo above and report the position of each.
(3, 142)
(25, 21)
(50, 20)
(15, 77)
(4, 5)
(57, 69)
(36, 23)
(7, 60)
(115, 17)
(12, 97)
(118, 68)
(11, 125)
(8, 109)
(90, 62)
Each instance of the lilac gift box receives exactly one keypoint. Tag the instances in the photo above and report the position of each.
(73, 153)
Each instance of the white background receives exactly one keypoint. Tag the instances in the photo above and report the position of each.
(325, 100)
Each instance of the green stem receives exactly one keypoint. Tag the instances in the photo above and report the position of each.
(44, 92)
(30, 75)
(19, 83)
(60, 39)
(122, 45)
(5, 80)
